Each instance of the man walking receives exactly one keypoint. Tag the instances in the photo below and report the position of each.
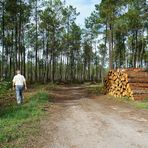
(19, 83)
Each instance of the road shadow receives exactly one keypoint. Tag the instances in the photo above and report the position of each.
(69, 95)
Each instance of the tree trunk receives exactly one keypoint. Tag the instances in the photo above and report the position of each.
(3, 36)
(110, 48)
(36, 44)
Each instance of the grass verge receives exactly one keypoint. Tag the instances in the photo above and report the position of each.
(18, 122)
(96, 89)
(143, 104)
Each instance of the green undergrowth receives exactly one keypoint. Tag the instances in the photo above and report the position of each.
(48, 86)
(142, 104)
(96, 89)
(17, 122)
(4, 88)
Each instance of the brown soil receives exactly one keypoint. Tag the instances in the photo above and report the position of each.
(78, 120)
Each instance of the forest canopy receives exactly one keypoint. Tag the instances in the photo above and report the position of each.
(43, 40)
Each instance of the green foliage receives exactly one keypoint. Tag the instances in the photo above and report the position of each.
(17, 122)
(55, 47)
(4, 87)
(96, 89)
(46, 87)
(142, 104)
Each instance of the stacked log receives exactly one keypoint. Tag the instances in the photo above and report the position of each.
(117, 85)
(132, 83)
(138, 80)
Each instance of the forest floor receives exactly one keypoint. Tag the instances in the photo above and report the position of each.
(79, 119)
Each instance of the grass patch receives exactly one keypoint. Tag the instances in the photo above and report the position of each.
(43, 87)
(51, 86)
(142, 104)
(138, 104)
(96, 89)
(17, 122)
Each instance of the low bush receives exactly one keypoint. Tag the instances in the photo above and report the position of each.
(96, 89)
(4, 87)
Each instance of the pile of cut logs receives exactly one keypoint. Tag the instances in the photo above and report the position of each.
(132, 83)
(117, 85)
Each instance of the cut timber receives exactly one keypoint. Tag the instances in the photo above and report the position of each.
(132, 83)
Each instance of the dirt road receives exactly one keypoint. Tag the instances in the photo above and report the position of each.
(78, 120)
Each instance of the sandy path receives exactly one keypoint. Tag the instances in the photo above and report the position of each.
(78, 121)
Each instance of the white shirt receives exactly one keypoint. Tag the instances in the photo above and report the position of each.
(19, 79)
